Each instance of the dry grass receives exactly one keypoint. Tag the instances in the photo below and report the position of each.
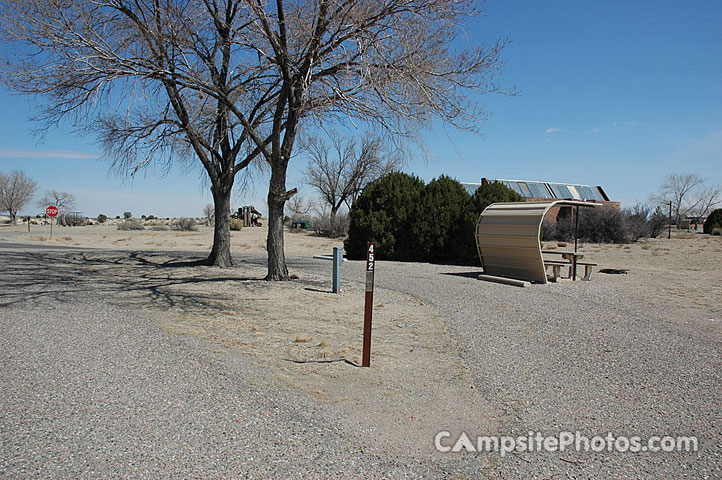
(562, 244)
(302, 339)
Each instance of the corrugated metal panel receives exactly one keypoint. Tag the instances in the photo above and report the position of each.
(507, 237)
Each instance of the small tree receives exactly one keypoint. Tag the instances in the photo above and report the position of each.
(209, 212)
(340, 170)
(16, 190)
(689, 195)
(63, 200)
(298, 205)
(127, 215)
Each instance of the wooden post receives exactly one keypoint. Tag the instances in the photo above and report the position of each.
(369, 303)
(669, 228)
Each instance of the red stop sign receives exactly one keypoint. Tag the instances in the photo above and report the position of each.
(51, 211)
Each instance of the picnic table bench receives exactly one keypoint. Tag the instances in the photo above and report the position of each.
(571, 260)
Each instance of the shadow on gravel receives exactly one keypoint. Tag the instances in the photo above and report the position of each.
(473, 275)
(139, 280)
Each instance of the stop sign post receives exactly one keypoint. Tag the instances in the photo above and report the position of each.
(52, 212)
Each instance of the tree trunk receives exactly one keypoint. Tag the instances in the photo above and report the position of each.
(277, 269)
(220, 255)
(14, 217)
(332, 220)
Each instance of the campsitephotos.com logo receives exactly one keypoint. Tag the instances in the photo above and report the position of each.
(445, 442)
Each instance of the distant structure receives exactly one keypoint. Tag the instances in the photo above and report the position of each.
(72, 219)
(538, 191)
(534, 191)
(249, 215)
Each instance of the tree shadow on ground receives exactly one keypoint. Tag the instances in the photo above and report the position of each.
(138, 280)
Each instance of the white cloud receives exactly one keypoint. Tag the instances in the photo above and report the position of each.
(41, 154)
(552, 130)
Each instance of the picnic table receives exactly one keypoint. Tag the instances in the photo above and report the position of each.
(570, 259)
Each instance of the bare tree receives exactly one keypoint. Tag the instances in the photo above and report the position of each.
(228, 82)
(62, 200)
(209, 211)
(688, 195)
(706, 199)
(298, 204)
(341, 169)
(16, 190)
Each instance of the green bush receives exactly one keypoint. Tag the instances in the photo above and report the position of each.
(442, 226)
(127, 215)
(415, 222)
(385, 213)
(714, 220)
(102, 218)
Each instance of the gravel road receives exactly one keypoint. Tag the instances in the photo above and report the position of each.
(581, 357)
(91, 390)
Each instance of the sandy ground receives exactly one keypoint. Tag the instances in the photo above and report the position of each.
(303, 337)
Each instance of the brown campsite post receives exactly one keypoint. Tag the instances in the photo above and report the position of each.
(369, 305)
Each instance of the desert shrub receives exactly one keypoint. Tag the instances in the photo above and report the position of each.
(657, 222)
(714, 220)
(548, 230)
(150, 217)
(323, 226)
(159, 228)
(717, 231)
(236, 224)
(602, 225)
(384, 214)
(184, 225)
(127, 215)
(130, 225)
(637, 222)
(102, 218)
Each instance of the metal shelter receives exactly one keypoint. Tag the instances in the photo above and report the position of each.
(507, 238)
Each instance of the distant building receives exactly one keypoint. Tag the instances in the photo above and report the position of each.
(534, 191)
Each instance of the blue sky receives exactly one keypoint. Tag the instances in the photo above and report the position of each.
(613, 93)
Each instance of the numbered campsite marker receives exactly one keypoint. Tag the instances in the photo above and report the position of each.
(369, 305)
